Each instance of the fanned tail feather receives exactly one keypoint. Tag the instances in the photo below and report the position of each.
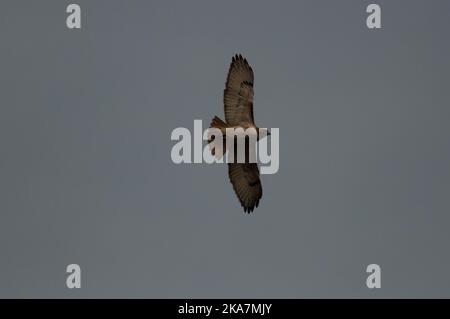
(217, 150)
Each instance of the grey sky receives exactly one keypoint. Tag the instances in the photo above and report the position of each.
(86, 175)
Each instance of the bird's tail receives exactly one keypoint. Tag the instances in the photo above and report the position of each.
(217, 148)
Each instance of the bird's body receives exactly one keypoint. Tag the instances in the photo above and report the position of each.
(238, 107)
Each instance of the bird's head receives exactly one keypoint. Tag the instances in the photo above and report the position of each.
(263, 132)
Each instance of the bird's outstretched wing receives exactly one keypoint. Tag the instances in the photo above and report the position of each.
(246, 184)
(238, 94)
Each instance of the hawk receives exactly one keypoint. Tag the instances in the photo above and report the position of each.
(238, 107)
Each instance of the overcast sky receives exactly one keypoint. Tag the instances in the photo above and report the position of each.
(86, 175)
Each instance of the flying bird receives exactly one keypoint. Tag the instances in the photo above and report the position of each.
(238, 107)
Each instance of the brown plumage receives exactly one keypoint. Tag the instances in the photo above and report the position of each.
(238, 107)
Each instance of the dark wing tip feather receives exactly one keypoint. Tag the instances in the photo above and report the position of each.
(238, 57)
(248, 210)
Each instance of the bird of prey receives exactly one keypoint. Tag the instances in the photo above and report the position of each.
(238, 106)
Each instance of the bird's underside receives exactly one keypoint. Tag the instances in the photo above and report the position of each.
(238, 107)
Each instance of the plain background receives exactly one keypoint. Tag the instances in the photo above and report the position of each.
(86, 175)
